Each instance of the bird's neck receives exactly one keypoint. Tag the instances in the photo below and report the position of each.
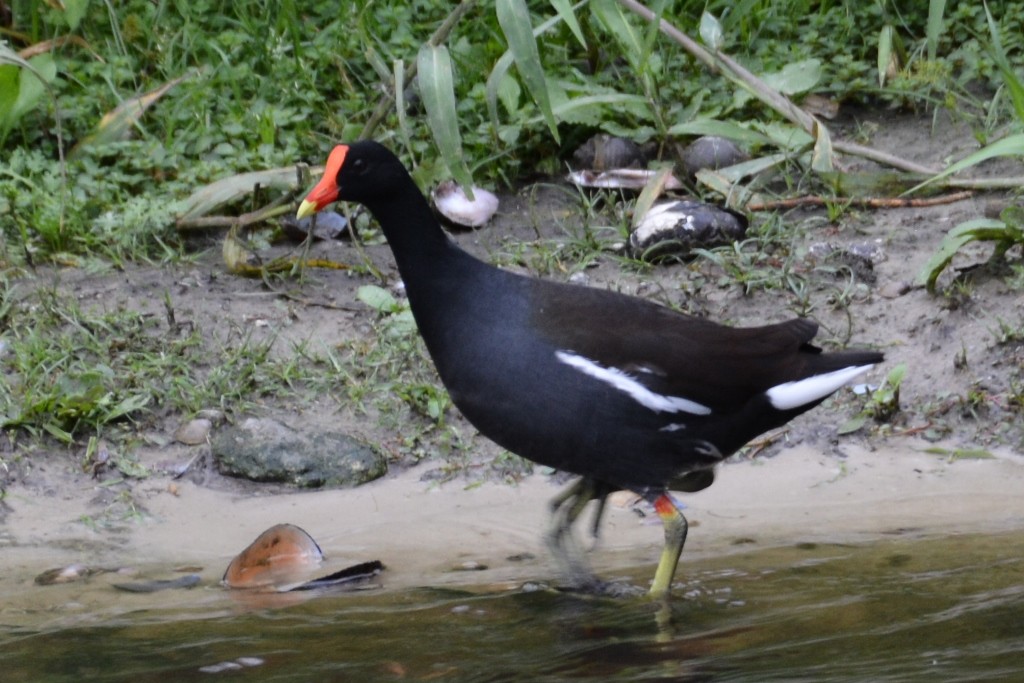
(421, 247)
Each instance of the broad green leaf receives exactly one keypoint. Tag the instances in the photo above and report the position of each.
(22, 87)
(398, 71)
(437, 88)
(377, 298)
(895, 376)
(852, 425)
(514, 19)
(8, 93)
(723, 129)
(822, 159)
(795, 78)
(74, 10)
(400, 323)
(509, 93)
(565, 13)
(58, 433)
(711, 31)
(933, 31)
(786, 135)
(736, 196)
(494, 84)
(792, 79)
(738, 172)
(32, 84)
(1012, 145)
(131, 468)
(885, 54)
(127, 406)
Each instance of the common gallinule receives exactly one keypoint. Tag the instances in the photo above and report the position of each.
(622, 391)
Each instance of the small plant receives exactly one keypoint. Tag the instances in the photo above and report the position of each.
(1005, 232)
(882, 405)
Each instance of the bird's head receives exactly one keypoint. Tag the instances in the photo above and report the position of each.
(360, 172)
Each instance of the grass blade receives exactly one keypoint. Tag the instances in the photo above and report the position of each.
(936, 10)
(1012, 145)
(629, 39)
(885, 55)
(1013, 83)
(514, 19)
(564, 9)
(437, 88)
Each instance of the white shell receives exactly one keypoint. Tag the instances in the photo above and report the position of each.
(662, 218)
(452, 203)
(622, 178)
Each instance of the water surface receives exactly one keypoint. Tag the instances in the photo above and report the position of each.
(899, 610)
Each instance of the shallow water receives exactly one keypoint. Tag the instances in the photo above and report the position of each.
(899, 610)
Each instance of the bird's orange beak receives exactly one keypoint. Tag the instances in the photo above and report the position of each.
(326, 191)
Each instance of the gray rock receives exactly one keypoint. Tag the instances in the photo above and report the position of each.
(266, 450)
(711, 152)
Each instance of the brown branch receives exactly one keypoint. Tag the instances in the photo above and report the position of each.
(863, 202)
(271, 210)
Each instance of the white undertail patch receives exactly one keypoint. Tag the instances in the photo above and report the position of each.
(801, 392)
(637, 391)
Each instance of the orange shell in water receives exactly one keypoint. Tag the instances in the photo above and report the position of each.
(282, 554)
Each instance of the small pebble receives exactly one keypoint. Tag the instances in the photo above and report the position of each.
(194, 432)
(579, 278)
(222, 666)
(469, 566)
(214, 415)
(894, 289)
(72, 572)
(521, 557)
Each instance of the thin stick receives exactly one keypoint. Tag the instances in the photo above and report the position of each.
(864, 202)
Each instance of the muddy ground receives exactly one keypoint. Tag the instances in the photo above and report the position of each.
(964, 374)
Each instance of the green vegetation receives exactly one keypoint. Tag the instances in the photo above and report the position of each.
(112, 114)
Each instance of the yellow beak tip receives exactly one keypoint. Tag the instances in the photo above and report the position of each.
(306, 208)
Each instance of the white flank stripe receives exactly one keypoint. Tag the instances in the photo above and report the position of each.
(637, 391)
(801, 392)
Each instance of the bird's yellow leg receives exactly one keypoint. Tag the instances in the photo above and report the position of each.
(675, 536)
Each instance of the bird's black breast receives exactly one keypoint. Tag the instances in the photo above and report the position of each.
(504, 372)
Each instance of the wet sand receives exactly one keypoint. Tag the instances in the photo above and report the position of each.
(421, 531)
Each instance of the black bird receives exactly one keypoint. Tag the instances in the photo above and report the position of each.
(622, 391)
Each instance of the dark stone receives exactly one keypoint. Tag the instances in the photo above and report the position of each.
(711, 152)
(267, 451)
